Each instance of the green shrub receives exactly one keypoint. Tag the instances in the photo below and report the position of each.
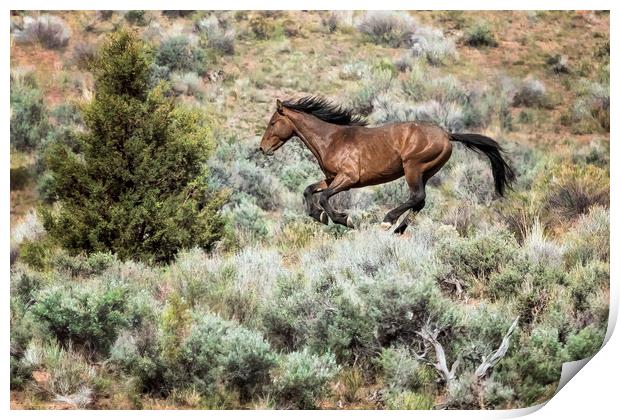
(431, 45)
(369, 88)
(301, 379)
(343, 326)
(391, 28)
(218, 37)
(473, 260)
(127, 202)
(594, 153)
(480, 35)
(22, 330)
(179, 53)
(219, 351)
(19, 178)
(245, 178)
(285, 322)
(401, 371)
(584, 343)
(461, 394)
(35, 254)
(173, 14)
(249, 220)
(587, 280)
(534, 365)
(29, 123)
(88, 318)
(509, 281)
(400, 308)
(83, 54)
(391, 194)
(136, 17)
(25, 283)
(261, 28)
(246, 361)
(83, 265)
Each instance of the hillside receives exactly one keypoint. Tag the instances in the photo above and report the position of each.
(302, 315)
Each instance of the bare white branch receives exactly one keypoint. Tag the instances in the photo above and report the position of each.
(491, 360)
(430, 336)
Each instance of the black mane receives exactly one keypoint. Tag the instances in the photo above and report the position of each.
(326, 110)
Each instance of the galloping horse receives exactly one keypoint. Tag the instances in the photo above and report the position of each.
(352, 155)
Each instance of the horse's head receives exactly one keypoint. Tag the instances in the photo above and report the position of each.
(279, 131)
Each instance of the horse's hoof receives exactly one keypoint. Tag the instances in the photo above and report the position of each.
(323, 218)
(350, 222)
(386, 225)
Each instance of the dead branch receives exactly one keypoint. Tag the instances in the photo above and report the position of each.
(491, 360)
(441, 365)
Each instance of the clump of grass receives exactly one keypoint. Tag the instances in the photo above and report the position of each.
(576, 188)
(432, 45)
(408, 400)
(384, 27)
(558, 64)
(354, 71)
(65, 376)
(49, 30)
(590, 112)
(589, 238)
(189, 84)
(261, 27)
(83, 54)
(480, 35)
(531, 92)
(218, 37)
(405, 62)
(337, 20)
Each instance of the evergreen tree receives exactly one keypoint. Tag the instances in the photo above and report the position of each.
(139, 186)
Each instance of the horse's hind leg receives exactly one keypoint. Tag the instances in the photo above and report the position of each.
(415, 202)
(417, 179)
(312, 208)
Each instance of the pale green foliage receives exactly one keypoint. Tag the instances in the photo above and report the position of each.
(301, 378)
(391, 28)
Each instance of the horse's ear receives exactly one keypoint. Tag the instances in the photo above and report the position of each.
(279, 106)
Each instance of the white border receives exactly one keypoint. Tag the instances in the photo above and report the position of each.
(592, 393)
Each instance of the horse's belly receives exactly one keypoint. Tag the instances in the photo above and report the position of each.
(387, 173)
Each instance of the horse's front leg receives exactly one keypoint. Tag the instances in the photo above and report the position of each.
(312, 208)
(342, 182)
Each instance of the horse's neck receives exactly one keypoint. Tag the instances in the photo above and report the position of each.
(313, 132)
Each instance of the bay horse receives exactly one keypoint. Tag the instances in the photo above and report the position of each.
(352, 155)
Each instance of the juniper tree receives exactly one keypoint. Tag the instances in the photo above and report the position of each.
(139, 186)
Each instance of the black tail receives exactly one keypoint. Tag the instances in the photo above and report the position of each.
(502, 172)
